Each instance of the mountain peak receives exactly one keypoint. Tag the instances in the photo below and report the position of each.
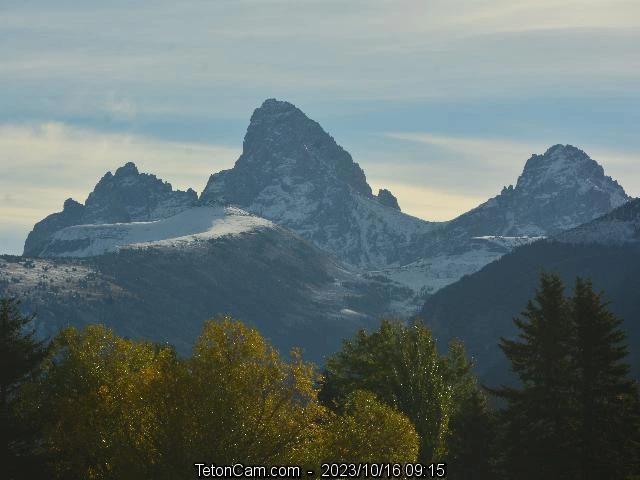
(284, 149)
(388, 199)
(556, 191)
(128, 169)
(127, 196)
(293, 173)
(565, 168)
(275, 114)
(559, 148)
(70, 204)
(273, 105)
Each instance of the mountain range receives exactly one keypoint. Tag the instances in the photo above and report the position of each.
(292, 239)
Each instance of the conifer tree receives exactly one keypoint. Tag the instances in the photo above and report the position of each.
(538, 437)
(20, 354)
(607, 411)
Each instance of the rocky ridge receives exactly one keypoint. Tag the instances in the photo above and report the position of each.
(124, 197)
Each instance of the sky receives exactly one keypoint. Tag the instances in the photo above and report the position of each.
(440, 101)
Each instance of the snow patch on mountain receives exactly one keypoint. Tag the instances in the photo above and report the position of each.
(197, 224)
(123, 197)
(510, 242)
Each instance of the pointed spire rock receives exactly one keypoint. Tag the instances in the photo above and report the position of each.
(385, 197)
(293, 172)
(283, 146)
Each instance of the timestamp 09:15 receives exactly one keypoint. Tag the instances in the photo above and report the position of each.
(383, 470)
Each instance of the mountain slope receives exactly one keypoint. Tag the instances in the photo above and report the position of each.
(293, 173)
(268, 277)
(305, 194)
(559, 190)
(479, 308)
(556, 191)
(621, 226)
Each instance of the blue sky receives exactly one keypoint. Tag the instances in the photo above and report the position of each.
(440, 101)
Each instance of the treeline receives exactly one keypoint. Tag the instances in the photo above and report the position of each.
(91, 404)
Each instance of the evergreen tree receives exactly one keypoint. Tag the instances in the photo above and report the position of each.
(577, 412)
(20, 355)
(539, 434)
(471, 443)
(607, 411)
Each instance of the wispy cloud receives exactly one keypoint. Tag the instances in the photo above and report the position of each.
(372, 49)
(487, 158)
(498, 152)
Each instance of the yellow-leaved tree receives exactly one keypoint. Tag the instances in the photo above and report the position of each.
(113, 408)
(240, 402)
(96, 400)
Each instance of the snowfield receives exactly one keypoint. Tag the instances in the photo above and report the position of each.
(194, 225)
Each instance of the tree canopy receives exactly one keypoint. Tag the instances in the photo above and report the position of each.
(401, 365)
(111, 407)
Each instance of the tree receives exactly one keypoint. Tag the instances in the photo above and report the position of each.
(242, 402)
(97, 396)
(576, 414)
(369, 431)
(472, 426)
(539, 434)
(20, 356)
(117, 408)
(607, 410)
(401, 365)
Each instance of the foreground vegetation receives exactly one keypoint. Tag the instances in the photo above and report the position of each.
(94, 405)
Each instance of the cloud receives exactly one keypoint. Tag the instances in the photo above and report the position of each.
(493, 152)
(120, 108)
(374, 49)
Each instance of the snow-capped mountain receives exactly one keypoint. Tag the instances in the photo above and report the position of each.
(293, 173)
(161, 280)
(559, 190)
(126, 196)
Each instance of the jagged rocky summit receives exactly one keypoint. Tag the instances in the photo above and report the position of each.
(559, 190)
(123, 197)
(293, 173)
